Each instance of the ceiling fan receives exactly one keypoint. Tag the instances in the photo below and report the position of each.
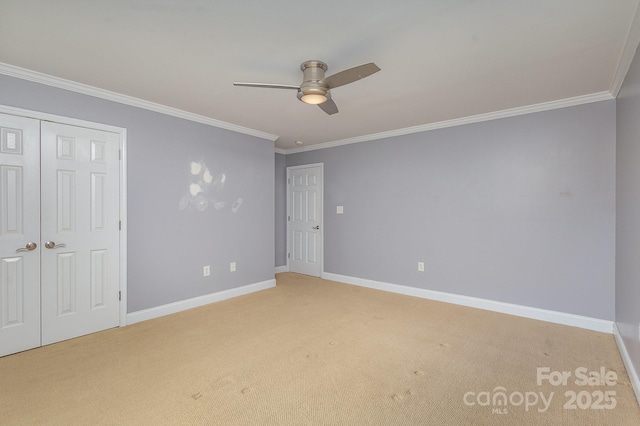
(315, 88)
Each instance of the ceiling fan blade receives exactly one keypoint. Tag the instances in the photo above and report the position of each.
(329, 106)
(267, 85)
(352, 74)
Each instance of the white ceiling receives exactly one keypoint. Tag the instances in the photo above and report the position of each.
(440, 59)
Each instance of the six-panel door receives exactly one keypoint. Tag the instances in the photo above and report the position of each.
(305, 235)
(19, 234)
(80, 238)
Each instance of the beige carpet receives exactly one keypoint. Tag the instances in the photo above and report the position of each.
(314, 352)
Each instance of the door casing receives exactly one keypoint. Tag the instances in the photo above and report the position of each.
(122, 133)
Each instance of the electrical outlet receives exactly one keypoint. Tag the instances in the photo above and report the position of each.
(206, 271)
(232, 266)
(421, 266)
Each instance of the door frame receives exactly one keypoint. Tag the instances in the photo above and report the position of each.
(122, 136)
(320, 214)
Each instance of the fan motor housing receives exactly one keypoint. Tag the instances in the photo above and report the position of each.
(313, 72)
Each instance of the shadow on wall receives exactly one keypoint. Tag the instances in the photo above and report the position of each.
(206, 189)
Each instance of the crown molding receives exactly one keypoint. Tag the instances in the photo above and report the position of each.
(530, 109)
(627, 54)
(60, 83)
(37, 77)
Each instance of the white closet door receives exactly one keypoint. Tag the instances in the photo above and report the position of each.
(80, 231)
(19, 234)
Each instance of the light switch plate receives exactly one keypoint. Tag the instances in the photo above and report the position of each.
(339, 209)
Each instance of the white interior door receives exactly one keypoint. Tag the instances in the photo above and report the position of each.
(19, 234)
(80, 237)
(305, 219)
(59, 235)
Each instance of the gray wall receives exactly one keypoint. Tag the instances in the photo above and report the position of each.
(169, 243)
(519, 210)
(628, 213)
(281, 210)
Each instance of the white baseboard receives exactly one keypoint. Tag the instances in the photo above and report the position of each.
(474, 302)
(183, 305)
(283, 268)
(631, 371)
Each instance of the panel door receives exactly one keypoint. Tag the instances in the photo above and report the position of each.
(80, 231)
(19, 234)
(305, 217)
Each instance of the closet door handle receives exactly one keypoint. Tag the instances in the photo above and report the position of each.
(29, 247)
(53, 245)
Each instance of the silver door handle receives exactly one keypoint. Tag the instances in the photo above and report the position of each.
(29, 247)
(53, 245)
(316, 227)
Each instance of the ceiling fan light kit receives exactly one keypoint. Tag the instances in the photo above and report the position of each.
(315, 88)
(312, 98)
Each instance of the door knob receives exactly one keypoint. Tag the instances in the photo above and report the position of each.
(29, 247)
(316, 227)
(53, 245)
